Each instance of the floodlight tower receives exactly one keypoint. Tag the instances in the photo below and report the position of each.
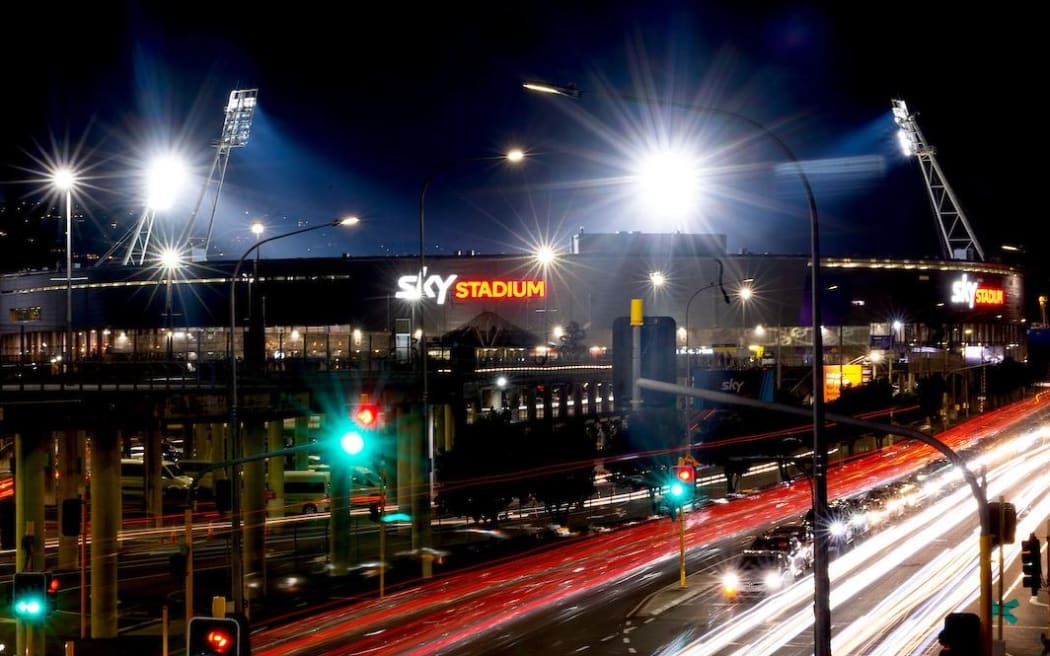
(958, 239)
(235, 129)
(165, 176)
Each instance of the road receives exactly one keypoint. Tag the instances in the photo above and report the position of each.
(546, 595)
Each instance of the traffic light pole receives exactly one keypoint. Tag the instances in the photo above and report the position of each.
(681, 547)
(984, 515)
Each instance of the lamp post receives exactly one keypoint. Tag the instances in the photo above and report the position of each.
(237, 558)
(744, 294)
(64, 180)
(170, 261)
(513, 156)
(725, 295)
(822, 583)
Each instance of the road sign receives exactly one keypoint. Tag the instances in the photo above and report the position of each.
(1005, 609)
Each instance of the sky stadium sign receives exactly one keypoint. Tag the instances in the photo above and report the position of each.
(414, 287)
(971, 293)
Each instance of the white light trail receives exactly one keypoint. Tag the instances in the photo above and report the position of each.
(881, 554)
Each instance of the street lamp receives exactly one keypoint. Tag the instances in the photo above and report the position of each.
(822, 582)
(657, 280)
(725, 295)
(64, 180)
(744, 293)
(546, 257)
(170, 261)
(237, 558)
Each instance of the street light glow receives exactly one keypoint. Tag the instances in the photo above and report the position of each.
(515, 155)
(545, 255)
(258, 228)
(63, 179)
(170, 258)
(668, 183)
(347, 221)
(658, 279)
(166, 176)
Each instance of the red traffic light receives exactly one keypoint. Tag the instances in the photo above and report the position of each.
(219, 640)
(685, 474)
(217, 636)
(367, 415)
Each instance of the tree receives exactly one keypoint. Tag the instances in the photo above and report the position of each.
(930, 392)
(573, 341)
(564, 455)
(480, 475)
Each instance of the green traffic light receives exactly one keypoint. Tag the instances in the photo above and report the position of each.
(352, 443)
(677, 490)
(29, 607)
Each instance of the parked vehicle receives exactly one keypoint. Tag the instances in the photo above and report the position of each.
(174, 483)
(306, 491)
(310, 490)
(205, 482)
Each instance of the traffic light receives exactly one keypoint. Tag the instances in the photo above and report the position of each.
(216, 636)
(30, 596)
(961, 635)
(357, 437)
(683, 483)
(1004, 522)
(1031, 565)
(367, 415)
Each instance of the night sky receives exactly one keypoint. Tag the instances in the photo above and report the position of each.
(359, 105)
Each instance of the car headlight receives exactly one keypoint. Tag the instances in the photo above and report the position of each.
(729, 583)
(838, 529)
(773, 581)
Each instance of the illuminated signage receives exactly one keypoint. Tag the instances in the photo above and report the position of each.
(414, 287)
(971, 293)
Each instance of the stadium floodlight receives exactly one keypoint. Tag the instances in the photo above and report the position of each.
(166, 175)
(239, 112)
(668, 182)
(908, 134)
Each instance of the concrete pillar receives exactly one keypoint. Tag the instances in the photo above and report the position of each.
(302, 436)
(339, 519)
(577, 400)
(105, 523)
(530, 403)
(592, 398)
(253, 504)
(30, 465)
(30, 462)
(202, 443)
(548, 403)
(407, 428)
(448, 429)
(217, 450)
(153, 482)
(420, 486)
(563, 401)
(70, 486)
(275, 468)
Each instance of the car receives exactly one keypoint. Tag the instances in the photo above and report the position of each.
(205, 480)
(757, 573)
(800, 532)
(841, 528)
(911, 494)
(174, 484)
(800, 556)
